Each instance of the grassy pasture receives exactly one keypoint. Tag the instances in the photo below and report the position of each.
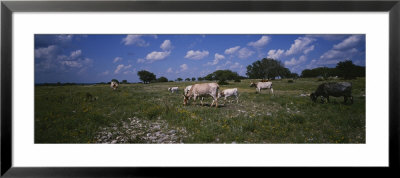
(77, 114)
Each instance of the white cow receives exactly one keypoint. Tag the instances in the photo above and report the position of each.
(173, 89)
(114, 85)
(229, 92)
(202, 90)
(186, 91)
(262, 85)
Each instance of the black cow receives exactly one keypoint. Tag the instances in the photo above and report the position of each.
(336, 89)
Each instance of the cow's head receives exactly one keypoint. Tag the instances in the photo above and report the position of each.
(220, 94)
(185, 99)
(313, 97)
(252, 84)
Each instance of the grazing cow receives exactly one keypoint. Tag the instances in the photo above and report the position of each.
(336, 89)
(173, 89)
(114, 85)
(229, 92)
(262, 85)
(202, 90)
(186, 91)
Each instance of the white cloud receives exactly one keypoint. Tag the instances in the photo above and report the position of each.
(45, 52)
(275, 54)
(117, 59)
(184, 67)
(236, 65)
(261, 42)
(140, 60)
(232, 50)
(242, 53)
(157, 55)
(339, 54)
(121, 67)
(348, 42)
(72, 63)
(196, 55)
(217, 58)
(64, 38)
(231, 66)
(293, 61)
(169, 70)
(166, 45)
(75, 54)
(129, 71)
(309, 49)
(48, 60)
(135, 40)
(300, 45)
(81, 62)
(245, 53)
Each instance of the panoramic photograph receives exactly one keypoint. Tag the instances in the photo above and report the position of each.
(200, 88)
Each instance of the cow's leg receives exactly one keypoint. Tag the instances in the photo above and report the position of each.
(212, 103)
(327, 98)
(194, 99)
(201, 101)
(272, 90)
(237, 98)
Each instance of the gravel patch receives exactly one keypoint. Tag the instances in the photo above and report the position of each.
(136, 130)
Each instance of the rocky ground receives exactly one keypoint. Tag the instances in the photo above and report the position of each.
(136, 130)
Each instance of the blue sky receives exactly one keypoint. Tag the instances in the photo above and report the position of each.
(100, 58)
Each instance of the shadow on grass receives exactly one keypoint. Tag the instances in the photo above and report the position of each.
(208, 105)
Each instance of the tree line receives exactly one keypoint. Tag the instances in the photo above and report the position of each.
(345, 69)
(266, 68)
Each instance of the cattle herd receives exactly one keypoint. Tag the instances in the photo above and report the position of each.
(336, 89)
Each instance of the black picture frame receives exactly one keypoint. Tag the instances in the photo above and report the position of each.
(8, 7)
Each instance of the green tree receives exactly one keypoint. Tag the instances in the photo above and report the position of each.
(222, 76)
(347, 70)
(146, 76)
(114, 80)
(193, 79)
(124, 81)
(324, 72)
(162, 79)
(267, 69)
(179, 79)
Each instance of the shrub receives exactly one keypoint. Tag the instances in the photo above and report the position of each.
(222, 82)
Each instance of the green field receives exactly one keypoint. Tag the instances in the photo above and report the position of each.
(148, 113)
